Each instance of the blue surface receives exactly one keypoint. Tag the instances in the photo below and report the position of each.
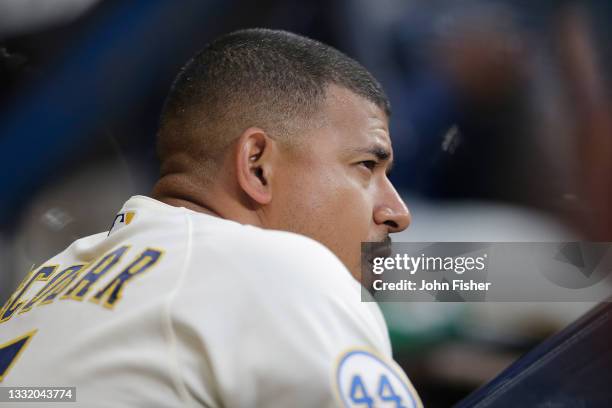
(571, 369)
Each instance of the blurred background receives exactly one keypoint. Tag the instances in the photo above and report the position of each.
(501, 128)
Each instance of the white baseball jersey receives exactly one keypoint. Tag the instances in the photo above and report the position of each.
(177, 308)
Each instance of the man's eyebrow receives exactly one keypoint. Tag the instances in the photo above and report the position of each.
(381, 153)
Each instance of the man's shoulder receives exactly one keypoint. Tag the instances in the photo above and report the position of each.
(277, 278)
(270, 254)
(283, 246)
(274, 245)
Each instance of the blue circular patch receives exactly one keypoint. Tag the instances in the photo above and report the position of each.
(365, 380)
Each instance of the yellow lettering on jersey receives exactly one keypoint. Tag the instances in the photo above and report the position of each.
(11, 351)
(112, 292)
(61, 285)
(54, 287)
(80, 289)
(19, 289)
(16, 301)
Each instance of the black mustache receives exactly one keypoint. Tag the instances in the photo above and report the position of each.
(380, 249)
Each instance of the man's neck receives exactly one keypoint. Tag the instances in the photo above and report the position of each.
(170, 191)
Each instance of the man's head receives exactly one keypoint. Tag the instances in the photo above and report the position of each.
(273, 129)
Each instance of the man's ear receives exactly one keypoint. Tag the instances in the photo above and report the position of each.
(256, 154)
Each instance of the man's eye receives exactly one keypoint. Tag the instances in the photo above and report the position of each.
(369, 164)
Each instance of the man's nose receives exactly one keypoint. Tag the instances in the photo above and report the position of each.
(392, 212)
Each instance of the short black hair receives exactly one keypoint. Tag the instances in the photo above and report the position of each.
(271, 79)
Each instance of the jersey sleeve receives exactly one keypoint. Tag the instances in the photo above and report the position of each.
(279, 323)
